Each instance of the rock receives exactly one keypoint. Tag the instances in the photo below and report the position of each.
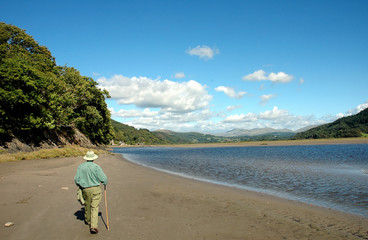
(15, 146)
(9, 224)
(45, 140)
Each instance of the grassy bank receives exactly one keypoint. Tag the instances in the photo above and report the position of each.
(67, 151)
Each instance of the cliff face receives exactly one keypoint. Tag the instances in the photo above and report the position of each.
(51, 139)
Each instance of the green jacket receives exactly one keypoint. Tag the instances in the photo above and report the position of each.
(89, 174)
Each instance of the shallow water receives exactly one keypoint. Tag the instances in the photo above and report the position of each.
(334, 176)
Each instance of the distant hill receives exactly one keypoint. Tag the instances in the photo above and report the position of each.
(306, 128)
(255, 132)
(271, 136)
(351, 126)
(125, 134)
(238, 135)
(188, 137)
(238, 132)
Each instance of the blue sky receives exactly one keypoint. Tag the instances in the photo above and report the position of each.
(210, 66)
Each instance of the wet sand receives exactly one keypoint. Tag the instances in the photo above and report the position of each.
(39, 197)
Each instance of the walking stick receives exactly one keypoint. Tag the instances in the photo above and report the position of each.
(107, 215)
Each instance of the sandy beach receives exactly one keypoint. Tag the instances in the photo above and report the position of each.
(39, 197)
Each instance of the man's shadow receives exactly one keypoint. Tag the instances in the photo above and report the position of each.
(80, 216)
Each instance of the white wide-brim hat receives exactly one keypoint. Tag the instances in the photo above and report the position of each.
(90, 156)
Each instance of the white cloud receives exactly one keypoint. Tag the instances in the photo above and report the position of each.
(260, 75)
(147, 93)
(205, 120)
(179, 75)
(280, 77)
(135, 113)
(181, 122)
(230, 92)
(301, 80)
(164, 104)
(231, 108)
(275, 118)
(203, 52)
(249, 117)
(339, 115)
(354, 111)
(266, 98)
(275, 113)
(360, 108)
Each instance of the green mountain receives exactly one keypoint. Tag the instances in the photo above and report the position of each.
(351, 126)
(271, 136)
(190, 137)
(194, 137)
(128, 135)
(238, 132)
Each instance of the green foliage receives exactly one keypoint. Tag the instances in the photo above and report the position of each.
(83, 104)
(24, 78)
(37, 96)
(194, 137)
(189, 137)
(351, 126)
(269, 137)
(172, 137)
(132, 136)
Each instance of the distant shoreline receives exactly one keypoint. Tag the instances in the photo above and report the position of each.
(263, 143)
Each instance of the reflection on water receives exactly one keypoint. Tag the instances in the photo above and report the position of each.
(328, 175)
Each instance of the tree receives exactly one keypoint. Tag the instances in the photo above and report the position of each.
(85, 106)
(350, 126)
(37, 96)
(25, 76)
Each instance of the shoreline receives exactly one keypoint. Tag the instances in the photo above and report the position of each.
(271, 193)
(147, 204)
(304, 142)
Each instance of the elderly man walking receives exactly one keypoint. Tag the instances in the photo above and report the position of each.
(88, 177)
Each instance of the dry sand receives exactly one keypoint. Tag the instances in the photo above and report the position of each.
(39, 196)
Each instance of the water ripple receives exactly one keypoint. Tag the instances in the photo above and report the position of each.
(333, 176)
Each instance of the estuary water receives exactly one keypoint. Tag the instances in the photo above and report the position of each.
(333, 176)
